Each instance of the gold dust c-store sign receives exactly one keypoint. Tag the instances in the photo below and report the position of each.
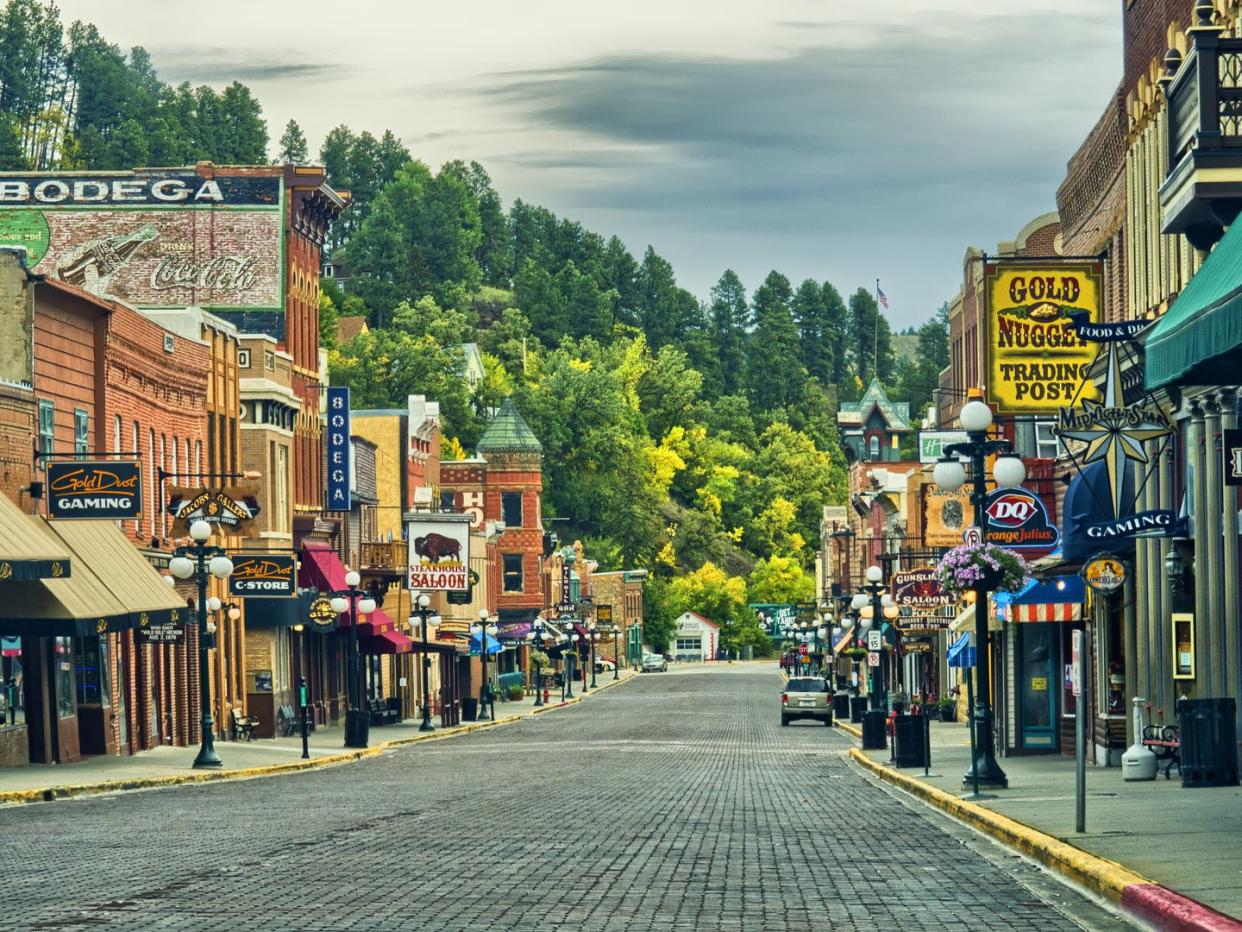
(1036, 361)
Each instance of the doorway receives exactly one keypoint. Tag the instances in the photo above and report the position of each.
(1038, 664)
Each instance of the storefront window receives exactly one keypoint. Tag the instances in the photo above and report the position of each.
(65, 692)
(92, 664)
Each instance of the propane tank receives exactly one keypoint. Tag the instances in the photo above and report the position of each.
(1138, 762)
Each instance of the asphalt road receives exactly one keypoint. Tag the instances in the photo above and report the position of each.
(673, 802)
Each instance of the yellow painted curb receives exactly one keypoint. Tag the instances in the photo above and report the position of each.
(1099, 874)
(848, 728)
(207, 776)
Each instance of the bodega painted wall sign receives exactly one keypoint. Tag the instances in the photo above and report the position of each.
(266, 574)
(1017, 519)
(107, 489)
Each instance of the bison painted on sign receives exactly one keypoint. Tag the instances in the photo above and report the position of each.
(435, 547)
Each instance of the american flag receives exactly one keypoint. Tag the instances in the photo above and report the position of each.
(881, 295)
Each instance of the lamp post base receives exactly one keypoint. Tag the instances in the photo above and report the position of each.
(207, 757)
(984, 771)
(426, 725)
(357, 728)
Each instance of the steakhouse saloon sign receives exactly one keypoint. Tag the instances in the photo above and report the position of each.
(104, 490)
(1036, 359)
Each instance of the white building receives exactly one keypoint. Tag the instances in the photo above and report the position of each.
(697, 638)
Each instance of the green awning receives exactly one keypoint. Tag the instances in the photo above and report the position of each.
(1199, 339)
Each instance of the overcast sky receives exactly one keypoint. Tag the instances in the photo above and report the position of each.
(811, 137)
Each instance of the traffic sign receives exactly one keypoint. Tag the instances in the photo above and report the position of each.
(802, 649)
(873, 640)
(873, 659)
(972, 536)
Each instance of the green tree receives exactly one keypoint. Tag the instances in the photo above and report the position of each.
(871, 338)
(811, 314)
(774, 361)
(730, 316)
(780, 579)
(292, 145)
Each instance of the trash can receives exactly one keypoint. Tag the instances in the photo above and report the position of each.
(841, 705)
(1209, 752)
(858, 705)
(470, 709)
(908, 744)
(874, 732)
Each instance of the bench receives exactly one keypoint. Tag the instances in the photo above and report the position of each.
(243, 725)
(288, 721)
(1165, 741)
(383, 713)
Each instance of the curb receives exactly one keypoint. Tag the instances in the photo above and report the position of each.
(69, 791)
(1136, 895)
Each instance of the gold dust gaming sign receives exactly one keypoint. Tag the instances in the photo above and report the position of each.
(107, 489)
(1036, 360)
(266, 574)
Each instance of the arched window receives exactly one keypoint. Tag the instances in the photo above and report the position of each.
(874, 447)
(154, 480)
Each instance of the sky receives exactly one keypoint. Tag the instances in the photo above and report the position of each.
(847, 140)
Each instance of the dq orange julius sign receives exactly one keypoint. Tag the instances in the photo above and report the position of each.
(1036, 360)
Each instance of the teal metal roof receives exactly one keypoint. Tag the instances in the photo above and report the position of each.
(855, 413)
(509, 433)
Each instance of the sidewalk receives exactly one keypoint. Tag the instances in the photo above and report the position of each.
(166, 766)
(1142, 835)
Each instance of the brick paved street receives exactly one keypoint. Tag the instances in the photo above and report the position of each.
(673, 802)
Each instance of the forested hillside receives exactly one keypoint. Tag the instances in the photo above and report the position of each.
(693, 436)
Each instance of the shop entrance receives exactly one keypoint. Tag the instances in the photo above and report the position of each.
(1038, 665)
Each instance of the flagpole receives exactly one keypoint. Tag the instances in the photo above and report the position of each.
(875, 358)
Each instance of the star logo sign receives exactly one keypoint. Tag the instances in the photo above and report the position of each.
(1115, 436)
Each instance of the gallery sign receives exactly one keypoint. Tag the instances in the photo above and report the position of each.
(1017, 519)
(439, 552)
(152, 238)
(339, 466)
(265, 574)
(104, 490)
(1036, 358)
(920, 589)
(1104, 573)
(229, 510)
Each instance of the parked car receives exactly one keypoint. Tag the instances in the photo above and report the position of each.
(806, 697)
(654, 663)
(604, 666)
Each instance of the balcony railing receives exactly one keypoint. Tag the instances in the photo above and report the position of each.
(1204, 96)
(382, 554)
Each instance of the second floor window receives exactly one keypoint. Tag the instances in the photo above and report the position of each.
(511, 508)
(47, 427)
(81, 429)
(513, 572)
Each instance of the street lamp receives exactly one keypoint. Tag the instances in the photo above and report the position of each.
(199, 560)
(592, 636)
(424, 609)
(483, 629)
(950, 475)
(354, 600)
(616, 655)
(536, 636)
(873, 726)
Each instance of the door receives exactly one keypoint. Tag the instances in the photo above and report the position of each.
(1037, 665)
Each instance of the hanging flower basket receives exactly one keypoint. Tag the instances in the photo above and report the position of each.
(982, 566)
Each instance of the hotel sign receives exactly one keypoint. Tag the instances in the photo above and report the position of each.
(108, 489)
(1036, 359)
(265, 574)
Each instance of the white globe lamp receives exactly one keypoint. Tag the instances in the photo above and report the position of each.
(976, 417)
(1009, 472)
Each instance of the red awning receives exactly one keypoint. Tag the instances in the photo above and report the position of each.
(389, 642)
(376, 623)
(321, 568)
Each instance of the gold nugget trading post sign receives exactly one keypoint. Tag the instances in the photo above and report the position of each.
(1036, 359)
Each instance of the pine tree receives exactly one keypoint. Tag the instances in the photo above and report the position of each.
(730, 321)
(293, 149)
(811, 314)
(775, 357)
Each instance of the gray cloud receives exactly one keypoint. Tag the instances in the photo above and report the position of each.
(932, 138)
(224, 66)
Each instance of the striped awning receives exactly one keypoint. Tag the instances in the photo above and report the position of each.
(1046, 611)
(846, 639)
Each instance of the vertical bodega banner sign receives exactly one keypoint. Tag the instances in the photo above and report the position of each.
(338, 448)
(1036, 361)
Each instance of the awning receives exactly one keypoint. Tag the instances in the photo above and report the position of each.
(1087, 502)
(846, 639)
(112, 588)
(262, 613)
(28, 556)
(389, 642)
(1197, 340)
(321, 568)
(375, 623)
(965, 621)
(960, 653)
(493, 645)
(1056, 599)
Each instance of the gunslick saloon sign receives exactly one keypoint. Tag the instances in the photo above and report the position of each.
(111, 490)
(1036, 359)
